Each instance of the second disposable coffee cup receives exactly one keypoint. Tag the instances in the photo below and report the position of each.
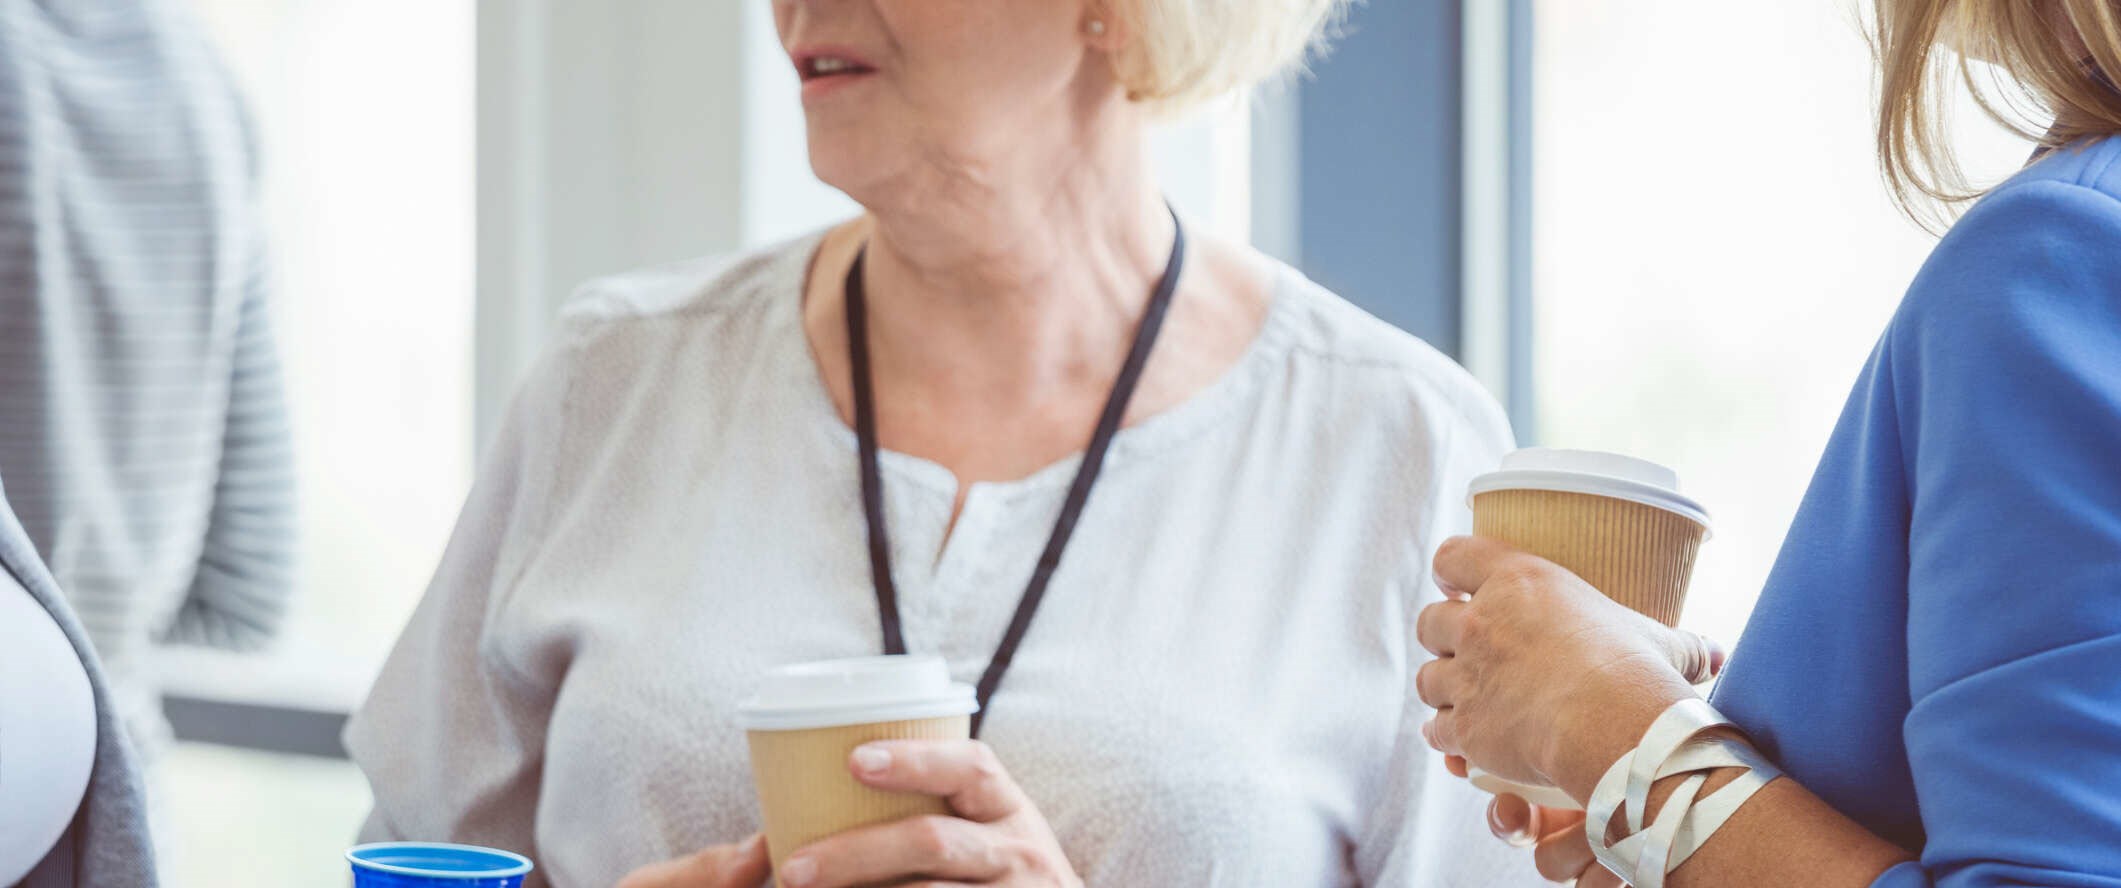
(1618, 522)
(806, 719)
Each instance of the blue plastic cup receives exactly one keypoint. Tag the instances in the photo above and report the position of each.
(435, 865)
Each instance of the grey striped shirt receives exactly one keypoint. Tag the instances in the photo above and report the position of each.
(143, 434)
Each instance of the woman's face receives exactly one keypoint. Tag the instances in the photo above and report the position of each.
(896, 91)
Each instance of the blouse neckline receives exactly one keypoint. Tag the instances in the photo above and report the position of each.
(1159, 432)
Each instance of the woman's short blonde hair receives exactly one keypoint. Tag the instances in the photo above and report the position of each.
(1179, 53)
(2050, 75)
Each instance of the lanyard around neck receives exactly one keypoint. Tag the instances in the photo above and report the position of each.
(1108, 424)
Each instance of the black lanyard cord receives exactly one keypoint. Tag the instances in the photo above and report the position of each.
(1108, 424)
(865, 442)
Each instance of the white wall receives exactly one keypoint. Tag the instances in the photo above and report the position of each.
(606, 141)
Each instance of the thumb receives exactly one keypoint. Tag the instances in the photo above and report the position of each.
(1697, 657)
(742, 865)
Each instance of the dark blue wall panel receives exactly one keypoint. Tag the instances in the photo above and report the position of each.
(1522, 141)
(1379, 164)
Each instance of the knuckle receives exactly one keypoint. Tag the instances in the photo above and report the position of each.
(1519, 573)
(1701, 652)
(1450, 547)
(1469, 736)
(1685, 651)
(1000, 857)
(932, 837)
(1032, 859)
(912, 761)
(985, 764)
(1443, 731)
(1425, 681)
(1017, 855)
(1473, 627)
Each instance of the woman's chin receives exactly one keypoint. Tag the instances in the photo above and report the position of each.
(850, 170)
(841, 156)
(838, 173)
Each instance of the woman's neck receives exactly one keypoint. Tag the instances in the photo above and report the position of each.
(1020, 276)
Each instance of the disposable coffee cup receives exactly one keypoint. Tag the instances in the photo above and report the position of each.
(1618, 522)
(806, 720)
(435, 865)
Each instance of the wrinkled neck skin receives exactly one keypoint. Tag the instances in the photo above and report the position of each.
(1022, 264)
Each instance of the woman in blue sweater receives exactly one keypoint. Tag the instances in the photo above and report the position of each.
(1934, 670)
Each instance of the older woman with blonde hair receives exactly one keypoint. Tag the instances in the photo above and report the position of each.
(1170, 503)
(1930, 690)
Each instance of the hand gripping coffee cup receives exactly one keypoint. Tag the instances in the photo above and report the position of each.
(1618, 522)
(806, 719)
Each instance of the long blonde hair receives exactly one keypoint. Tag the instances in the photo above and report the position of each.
(2055, 65)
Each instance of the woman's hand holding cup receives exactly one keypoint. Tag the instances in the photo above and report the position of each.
(997, 836)
(1548, 652)
(993, 836)
(1538, 677)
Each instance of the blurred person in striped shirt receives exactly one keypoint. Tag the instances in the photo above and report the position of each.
(143, 433)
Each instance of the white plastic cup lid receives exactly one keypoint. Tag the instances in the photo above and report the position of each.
(864, 690)
(1591, 472)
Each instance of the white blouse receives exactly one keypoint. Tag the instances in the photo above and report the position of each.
(1217, 690)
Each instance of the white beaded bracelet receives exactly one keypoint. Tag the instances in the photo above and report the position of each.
(1673, 746)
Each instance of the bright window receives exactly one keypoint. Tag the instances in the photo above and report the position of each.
(1715, 251)
(365, 112)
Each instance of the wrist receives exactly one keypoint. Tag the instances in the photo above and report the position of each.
(1662, 790)
(1594, 735)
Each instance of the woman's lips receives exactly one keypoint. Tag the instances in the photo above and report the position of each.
(828, 70)
(824, 85)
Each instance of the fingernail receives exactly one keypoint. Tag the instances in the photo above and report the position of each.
(1514, 836)
(871, 759)
(1514, 831)
(798, 871)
